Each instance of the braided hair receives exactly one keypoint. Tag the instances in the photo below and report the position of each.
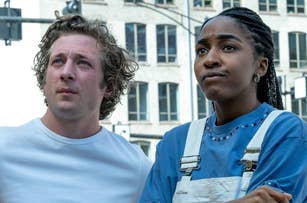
(268, 87)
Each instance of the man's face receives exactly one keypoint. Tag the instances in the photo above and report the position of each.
(73, 77)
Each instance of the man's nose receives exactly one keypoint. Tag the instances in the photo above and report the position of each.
(68, 71)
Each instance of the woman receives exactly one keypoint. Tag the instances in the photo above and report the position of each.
(247, 150)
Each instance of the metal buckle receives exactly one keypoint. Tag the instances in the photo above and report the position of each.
(250, 166)
(188, 170)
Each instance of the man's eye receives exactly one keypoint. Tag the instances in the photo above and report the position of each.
(201, 51)
(84, 63)
(57, 61)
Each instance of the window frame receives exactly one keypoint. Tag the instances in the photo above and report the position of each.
(164, 2)
(295, 7)
(203, 4)
(297, 46)
(166, 38)
(268, 4)
(232, 3)
(136, 44)
(275, 34)
(168, 113)
(297, 106)
(138, 113)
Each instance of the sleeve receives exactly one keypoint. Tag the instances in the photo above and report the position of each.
(283, 160)
(162, 179)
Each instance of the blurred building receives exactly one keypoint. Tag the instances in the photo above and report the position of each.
(160, 34)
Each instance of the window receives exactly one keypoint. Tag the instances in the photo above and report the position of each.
(203, 3)
(295, 6)
(136, 40)
(275, 36)
(267, 5)
(168, 96)
(94, 1)
(298, 47)
(231, 3)
(166, 43)
(137, 101)
(299, 106)
(201, 103)
(196, 31)
(133, 1)
(164, 2)
(145, 145)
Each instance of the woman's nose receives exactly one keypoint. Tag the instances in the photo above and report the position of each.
(212, 59)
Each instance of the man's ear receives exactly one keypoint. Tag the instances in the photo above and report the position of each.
(107, 92)
(263, 65)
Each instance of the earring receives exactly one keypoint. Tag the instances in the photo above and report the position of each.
(256, 77)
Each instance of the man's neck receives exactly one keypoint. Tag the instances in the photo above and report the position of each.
(71, 128)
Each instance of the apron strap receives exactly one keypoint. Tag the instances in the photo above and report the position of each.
(191, 158)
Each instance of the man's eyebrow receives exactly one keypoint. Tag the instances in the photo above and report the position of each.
(220, 37)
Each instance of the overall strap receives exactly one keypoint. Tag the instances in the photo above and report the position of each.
(190, 158)
(253, 148)
(252, 151)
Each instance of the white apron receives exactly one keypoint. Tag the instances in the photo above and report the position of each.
(216, 190)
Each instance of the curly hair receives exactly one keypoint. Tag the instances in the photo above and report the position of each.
(268, 87)
(118, 67)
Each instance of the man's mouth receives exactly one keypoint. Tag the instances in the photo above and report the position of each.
(66, 91)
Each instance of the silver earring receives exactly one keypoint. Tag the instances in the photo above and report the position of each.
(256, 77)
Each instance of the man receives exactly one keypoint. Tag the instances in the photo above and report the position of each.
(66, 156)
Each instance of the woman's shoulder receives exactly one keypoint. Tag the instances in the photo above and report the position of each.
(290, 125)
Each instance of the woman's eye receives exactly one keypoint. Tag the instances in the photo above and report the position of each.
(228, 48)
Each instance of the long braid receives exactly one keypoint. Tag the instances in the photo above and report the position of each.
(268, 87)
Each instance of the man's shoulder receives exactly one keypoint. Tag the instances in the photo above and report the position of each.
(24, 126)
(129, 153)
(118, 141)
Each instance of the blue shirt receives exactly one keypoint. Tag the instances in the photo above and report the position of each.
(282, 163)
(38, 165)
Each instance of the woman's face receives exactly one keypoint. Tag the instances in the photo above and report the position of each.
(226, 62)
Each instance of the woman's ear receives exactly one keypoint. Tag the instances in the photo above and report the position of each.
(263, 65)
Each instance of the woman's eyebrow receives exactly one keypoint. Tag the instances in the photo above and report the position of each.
(220, 37)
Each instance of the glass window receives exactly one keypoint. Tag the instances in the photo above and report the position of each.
(145, 145)
(164, 1)
(267, 5)
(299, 106)
(202, 3)
(297, 50)
(166, 43)
(204, 106)
(201, 104)
(196, 31)
(94, 1)
(133, 1)
(136, 40)
(137, 101)
(275, 36)
(231, 3)
(168, 97)
(295, 6)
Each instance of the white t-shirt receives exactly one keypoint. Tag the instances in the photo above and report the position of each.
(38, 165)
